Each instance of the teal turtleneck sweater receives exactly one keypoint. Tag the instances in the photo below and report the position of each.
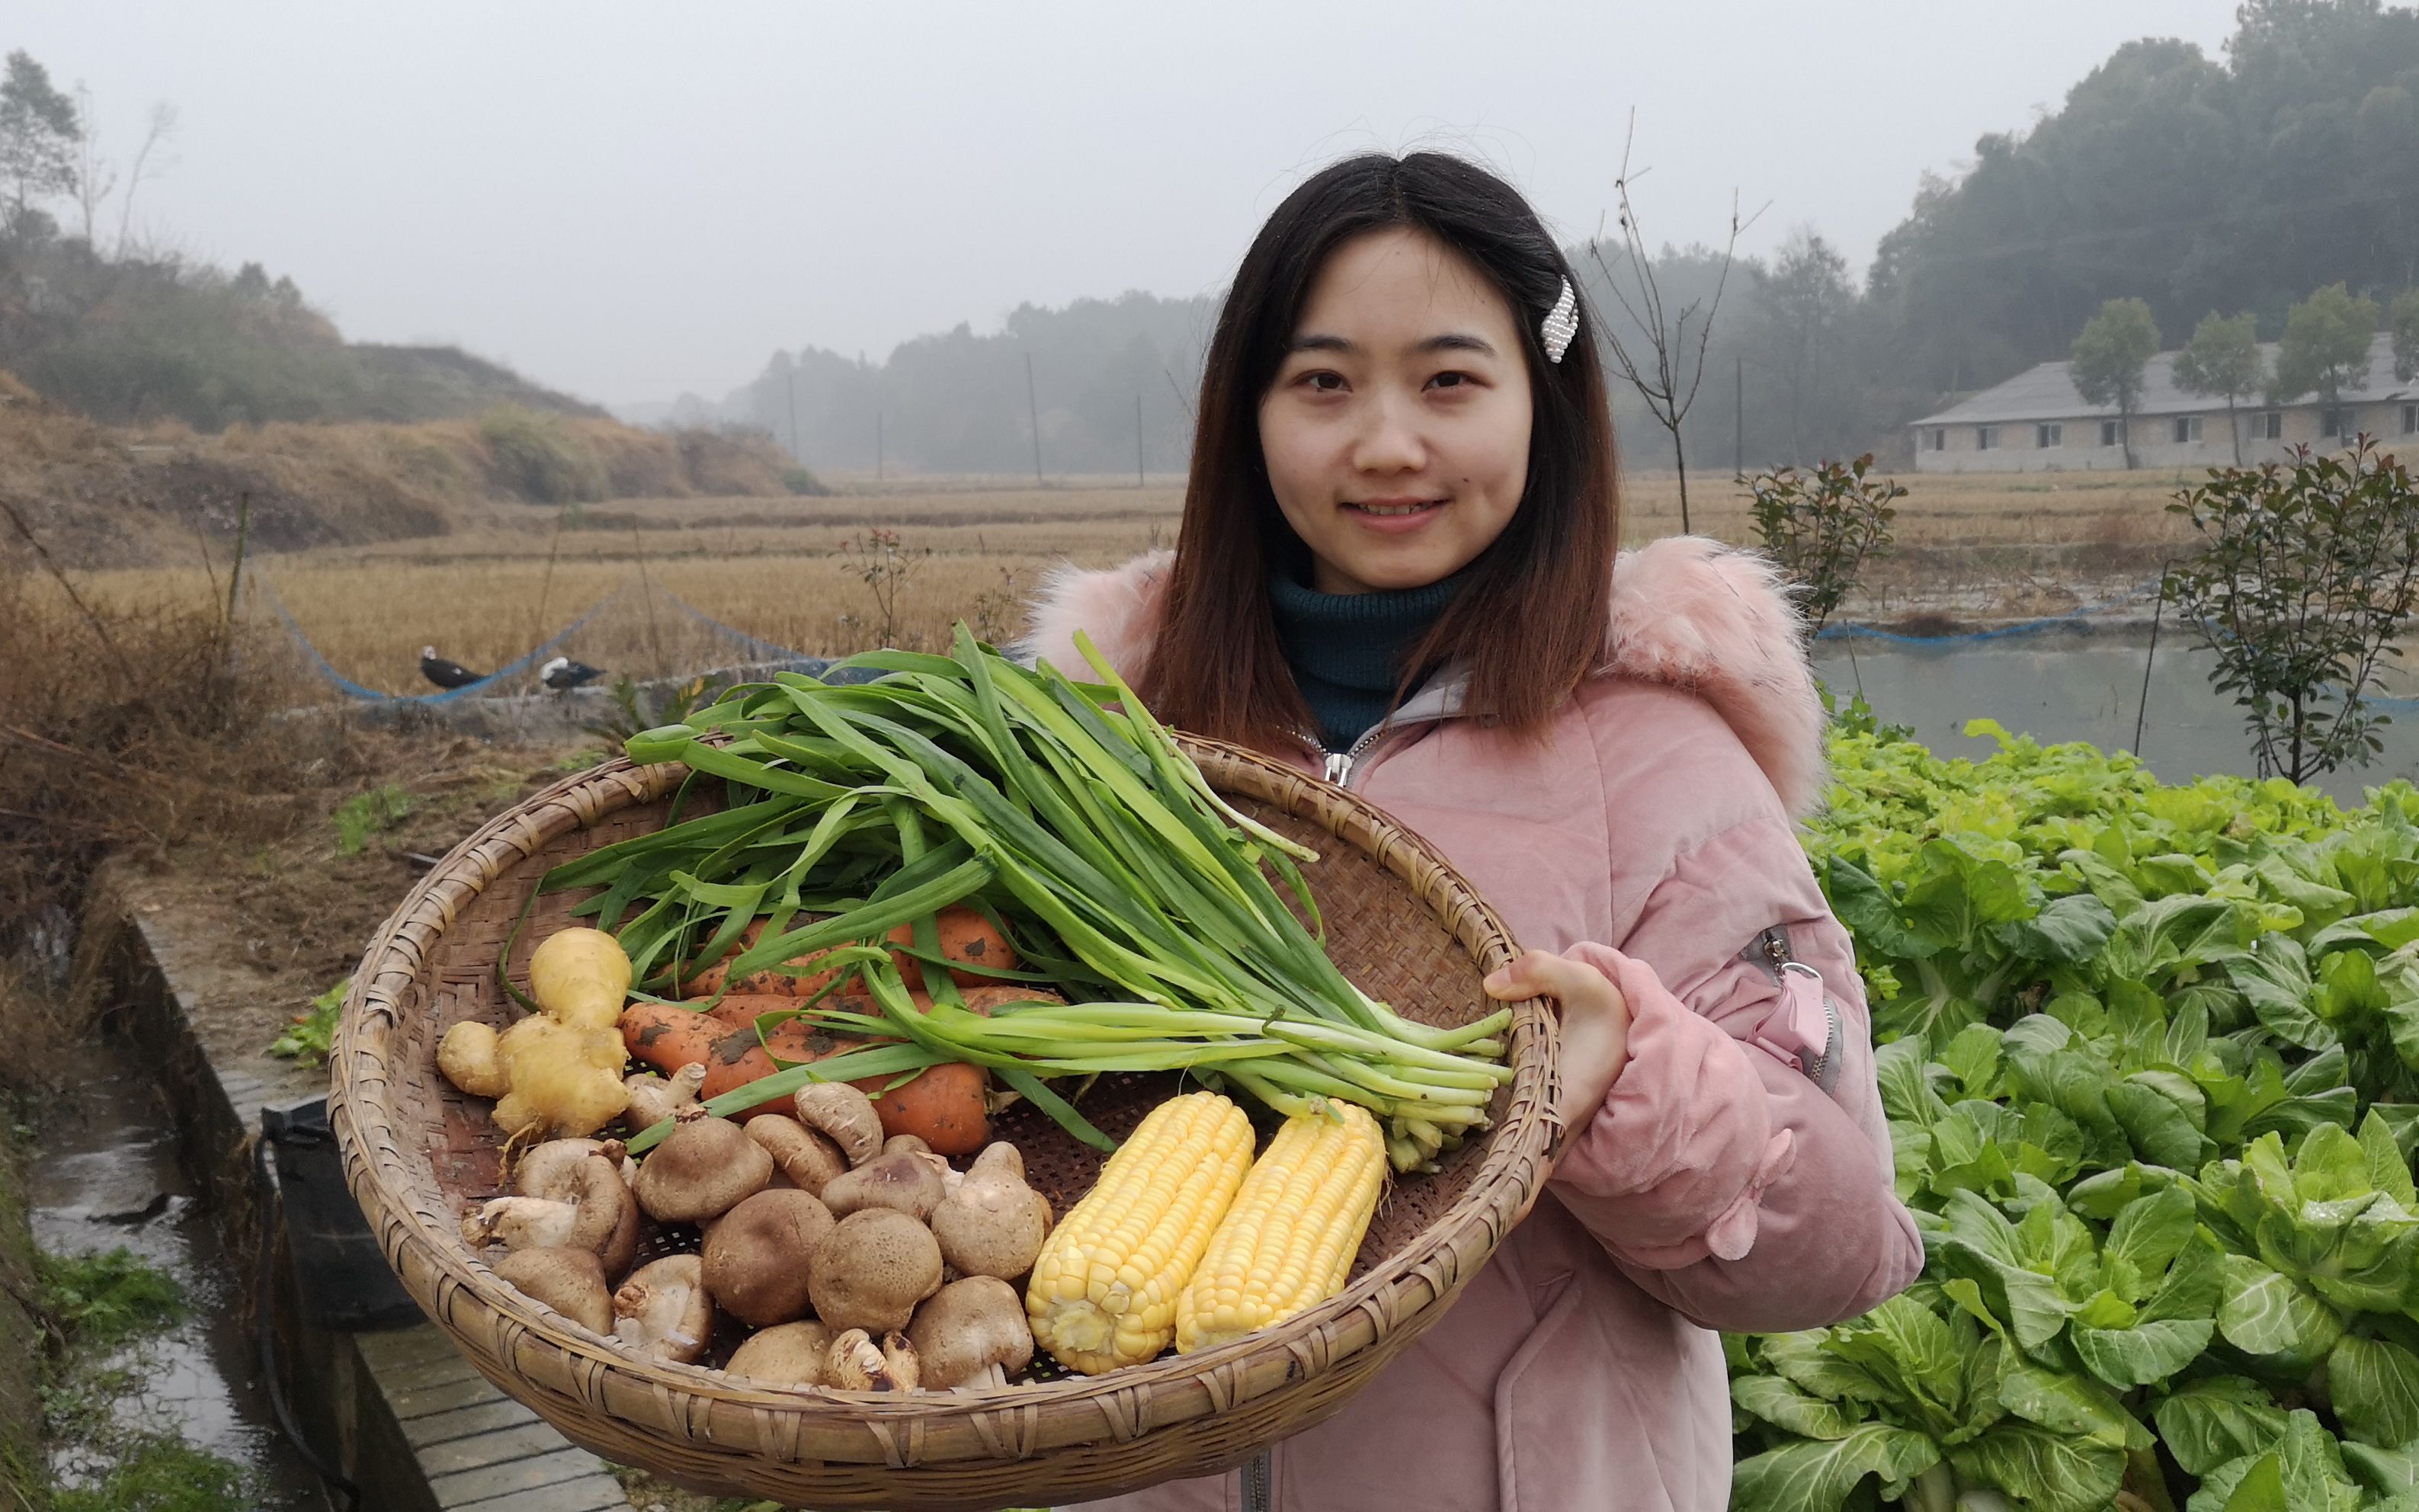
(1346, 649)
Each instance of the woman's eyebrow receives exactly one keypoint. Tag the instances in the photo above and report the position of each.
(1451, 340)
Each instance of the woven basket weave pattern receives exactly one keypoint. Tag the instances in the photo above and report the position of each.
(1401, 924)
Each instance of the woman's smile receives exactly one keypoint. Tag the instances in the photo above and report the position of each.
(1396, 517)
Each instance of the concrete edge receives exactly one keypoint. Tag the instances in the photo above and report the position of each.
(400, 1413)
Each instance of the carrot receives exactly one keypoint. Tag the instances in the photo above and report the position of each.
(668, 1037)
(741, 1010)
(965, 936)
(943, 1106)
(983, 999)
(766, 982)
(739, 1057)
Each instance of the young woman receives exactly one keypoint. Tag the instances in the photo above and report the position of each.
(1397, 567)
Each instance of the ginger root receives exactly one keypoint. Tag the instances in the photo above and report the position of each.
(557, 1073)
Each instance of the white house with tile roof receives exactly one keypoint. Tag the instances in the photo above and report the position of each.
(2036, 423)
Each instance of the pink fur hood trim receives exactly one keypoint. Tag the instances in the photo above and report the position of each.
(1688, 613)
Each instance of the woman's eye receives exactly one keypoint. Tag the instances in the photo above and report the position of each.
(1324, 382)
(1449, 380)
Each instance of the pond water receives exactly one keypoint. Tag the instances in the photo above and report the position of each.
(106, 1173)
(2059, 686)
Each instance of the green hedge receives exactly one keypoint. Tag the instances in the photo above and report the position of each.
(2147, 1056)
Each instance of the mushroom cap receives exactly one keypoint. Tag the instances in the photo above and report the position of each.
(968, 1327)
(904, 1179)
(570, 1281)
(621, 1247)
(844, 1114)
(992, 1223)
(873, 1268)
(701, 1170)
(663, 1309)
(788, 1354)
(808, 1159)
(899, 1357)
(547, 1170)
(756, 1254)
(574, 1171)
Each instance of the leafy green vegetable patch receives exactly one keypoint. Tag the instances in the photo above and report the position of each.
(2151, 1059)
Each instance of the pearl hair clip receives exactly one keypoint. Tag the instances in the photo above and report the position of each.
(1561, 324)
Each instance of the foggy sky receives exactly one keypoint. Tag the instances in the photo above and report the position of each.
(629, 201)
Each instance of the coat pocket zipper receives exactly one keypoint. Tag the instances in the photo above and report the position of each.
(1822, 1067)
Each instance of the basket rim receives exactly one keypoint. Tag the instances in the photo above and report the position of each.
(1507, 1181)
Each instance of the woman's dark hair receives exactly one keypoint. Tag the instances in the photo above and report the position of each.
(1528, 619)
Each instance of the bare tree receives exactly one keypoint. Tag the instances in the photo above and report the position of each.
(95, 178)
(1668, 382)
(163, 128)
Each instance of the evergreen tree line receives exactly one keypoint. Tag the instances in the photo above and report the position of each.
(2237, 184)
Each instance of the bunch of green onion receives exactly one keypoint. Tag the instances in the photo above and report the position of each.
(1071, 818)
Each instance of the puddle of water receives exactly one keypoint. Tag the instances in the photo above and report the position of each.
(2058, 687)
(106, 1174)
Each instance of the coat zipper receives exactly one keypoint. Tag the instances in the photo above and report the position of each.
(1259, 1487)
(1773, 945)
(1340, 763)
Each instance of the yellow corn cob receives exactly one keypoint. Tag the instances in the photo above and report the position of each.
(1104, 1290)
(1289, 1237)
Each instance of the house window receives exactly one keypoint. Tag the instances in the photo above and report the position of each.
(2048, 435)
(1985, 438)
(2411, 419)
(2108, 432)
(1936, 438)
(2338, 423)
(2271, 425)
(2187, 430)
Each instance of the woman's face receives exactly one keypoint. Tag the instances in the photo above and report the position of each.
(1396, 433)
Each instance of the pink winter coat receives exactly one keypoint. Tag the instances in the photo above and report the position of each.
(1718, 1187)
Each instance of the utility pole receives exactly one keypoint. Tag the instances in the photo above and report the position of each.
(877, 446)
(1138, 483)
(1034, 411)
(796, 454)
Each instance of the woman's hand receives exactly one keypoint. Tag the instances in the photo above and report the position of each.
(1595, 1041)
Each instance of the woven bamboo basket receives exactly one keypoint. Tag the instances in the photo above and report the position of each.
(1401, 924)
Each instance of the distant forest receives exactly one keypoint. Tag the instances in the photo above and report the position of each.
(97, 321)
(1105, 374)
(2231, 184)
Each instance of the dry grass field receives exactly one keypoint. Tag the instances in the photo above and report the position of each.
(812, 573)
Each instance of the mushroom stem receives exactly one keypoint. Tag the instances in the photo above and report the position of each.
(663, 1310)
(986, 1378)
(520, 1222)
(858, 1364)
(654, 1098)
